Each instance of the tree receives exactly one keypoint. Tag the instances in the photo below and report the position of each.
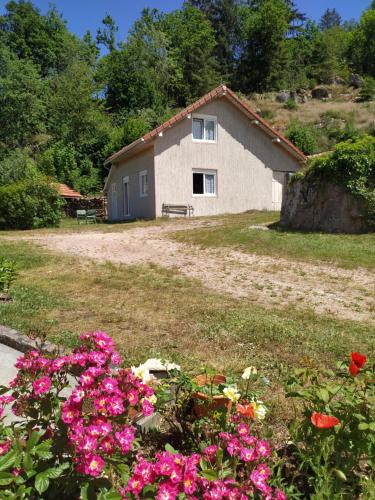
(329, 55)
(361, 51)
(107, 35)
(43, 39)
(22, 113)
(191, 54)
(330, 19)
(264, 60)
(224, 18)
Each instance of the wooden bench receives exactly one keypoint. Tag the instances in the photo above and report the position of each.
(177, 208)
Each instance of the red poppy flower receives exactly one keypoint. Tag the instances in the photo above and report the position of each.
(245, 410)
(356, 362)
(323, 421)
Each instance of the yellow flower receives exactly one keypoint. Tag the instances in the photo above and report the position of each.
(152, 399)
(250, 370)
(232, 393)
(260, 410)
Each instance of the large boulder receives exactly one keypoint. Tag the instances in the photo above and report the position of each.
(356, 80)
(321, 206)
(283, 96)
(320, 93)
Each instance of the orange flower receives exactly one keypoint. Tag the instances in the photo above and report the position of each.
(245, 410)
(356, 363)
(323, 421)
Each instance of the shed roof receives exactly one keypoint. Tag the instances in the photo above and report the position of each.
(220, 91)
(67, 192)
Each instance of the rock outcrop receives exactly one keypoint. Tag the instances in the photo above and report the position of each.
(321, 206)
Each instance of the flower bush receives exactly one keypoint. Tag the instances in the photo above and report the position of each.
(336, 440)
(76, 432)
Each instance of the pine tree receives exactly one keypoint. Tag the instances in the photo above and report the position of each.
(330, 19)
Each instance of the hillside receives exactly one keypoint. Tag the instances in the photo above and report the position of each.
(327, 118)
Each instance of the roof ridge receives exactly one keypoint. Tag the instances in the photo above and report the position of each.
(218, 91)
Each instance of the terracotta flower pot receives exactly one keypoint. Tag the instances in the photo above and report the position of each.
(203, 403)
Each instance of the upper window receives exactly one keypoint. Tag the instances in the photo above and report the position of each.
(204, 183)
(204, 128)
(143, 184)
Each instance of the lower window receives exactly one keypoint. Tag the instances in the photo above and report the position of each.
(204, 183)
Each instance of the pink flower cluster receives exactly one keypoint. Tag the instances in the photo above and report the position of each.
(175, 474)
(5, 400)
(103, 403)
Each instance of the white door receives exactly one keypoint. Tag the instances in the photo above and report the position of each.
(125, 190)
(114, 211)
(278, 181)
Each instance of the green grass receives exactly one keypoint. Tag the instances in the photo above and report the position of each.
(151, 311)
(344, 250)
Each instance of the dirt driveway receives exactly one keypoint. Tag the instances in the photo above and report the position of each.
(271, 282)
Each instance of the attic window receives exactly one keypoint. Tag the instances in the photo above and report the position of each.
(204, 128)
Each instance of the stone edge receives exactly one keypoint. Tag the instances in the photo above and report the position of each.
(20, 342)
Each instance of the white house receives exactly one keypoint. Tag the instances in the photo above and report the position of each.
(216, 156)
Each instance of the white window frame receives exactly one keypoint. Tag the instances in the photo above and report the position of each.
(205, 118)
(204, 172)
(141, 193)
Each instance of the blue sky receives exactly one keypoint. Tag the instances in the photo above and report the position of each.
(87, 14)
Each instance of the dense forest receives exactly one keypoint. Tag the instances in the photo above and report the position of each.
(66, 103)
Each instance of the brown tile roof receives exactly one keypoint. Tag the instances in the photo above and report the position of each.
(66, 192)
(220, 91)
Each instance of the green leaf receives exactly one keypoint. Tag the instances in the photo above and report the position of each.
(363, 426)
(8, 460)
(6, 478)
(323, 394)
(41, 482)
(170, 449)
(33, 440)
(339, 474)
(43, 450)
(210, 474)
(84, 492)
(372, 426)
(56, 472)
(27, 461)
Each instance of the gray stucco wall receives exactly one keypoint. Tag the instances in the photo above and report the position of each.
(139, 207)
(244, 158)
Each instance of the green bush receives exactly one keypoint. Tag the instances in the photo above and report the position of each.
(29, 204)
(303, 136)
(291, 105)
(352, 165)
(7, 274)
(17, 166)
(367, 92)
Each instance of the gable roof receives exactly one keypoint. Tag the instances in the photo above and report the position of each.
(66, 192)
(220, 91)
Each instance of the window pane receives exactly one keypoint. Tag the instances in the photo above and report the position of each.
(144, 184)
(209, 127)
(198, 125)
(209, 183)
(198, 184)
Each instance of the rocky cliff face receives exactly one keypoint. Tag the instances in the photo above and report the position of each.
(321, 206)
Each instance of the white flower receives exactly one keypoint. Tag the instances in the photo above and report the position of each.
(154, 364)
(250, 370)
(142, 372)
(260, 410)
(232, 393)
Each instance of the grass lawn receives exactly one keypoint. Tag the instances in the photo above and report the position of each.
(153, 311)
(344, 250)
